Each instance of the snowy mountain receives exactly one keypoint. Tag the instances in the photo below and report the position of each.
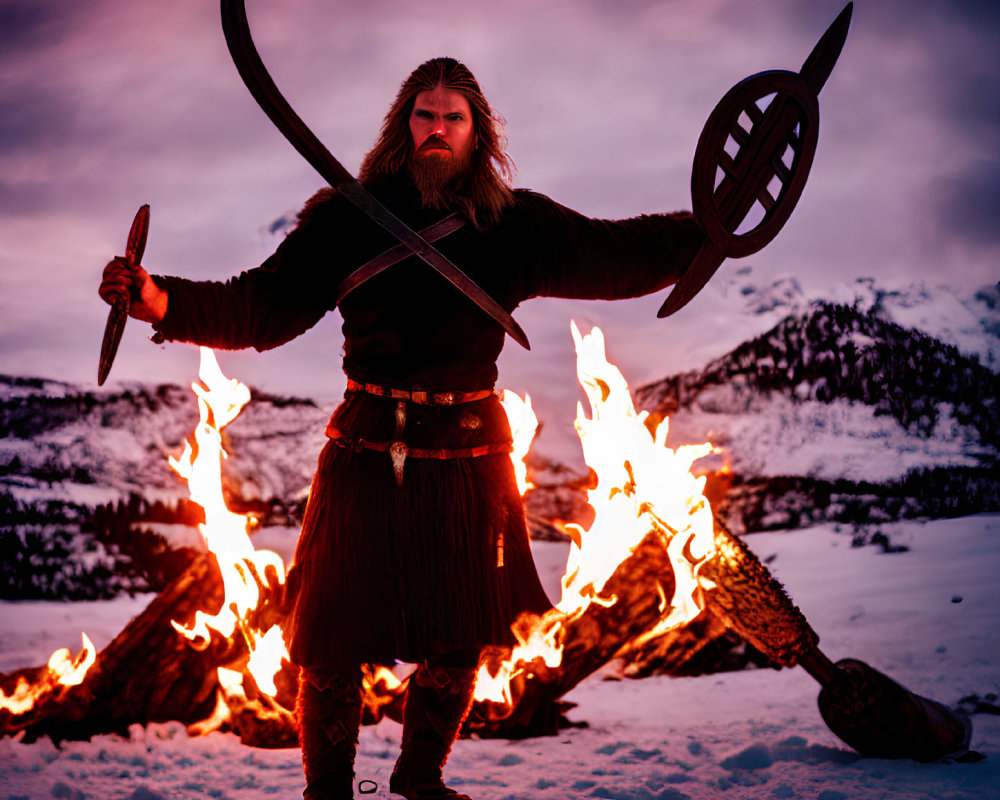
(840, 404)
(970, 323)
(92, 447)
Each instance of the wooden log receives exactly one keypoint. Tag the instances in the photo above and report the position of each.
(703, 645)
(148, 673)
(752, 602)
(590, 641)
(746, 599)
(748, 605)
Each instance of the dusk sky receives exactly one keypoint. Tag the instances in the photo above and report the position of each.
(108, 104)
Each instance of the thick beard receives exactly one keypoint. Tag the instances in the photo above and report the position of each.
(438, 175)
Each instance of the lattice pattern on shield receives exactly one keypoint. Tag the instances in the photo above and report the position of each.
(782, 163)
(755, 150)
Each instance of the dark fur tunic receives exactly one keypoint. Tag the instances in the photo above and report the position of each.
(386, 572)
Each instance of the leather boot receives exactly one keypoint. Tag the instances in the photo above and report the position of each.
(329, 711)
(437, 701)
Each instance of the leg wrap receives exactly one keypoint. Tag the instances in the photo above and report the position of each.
(438, 700)
(329, 711)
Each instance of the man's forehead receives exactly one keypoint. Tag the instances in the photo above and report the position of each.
(442, 99)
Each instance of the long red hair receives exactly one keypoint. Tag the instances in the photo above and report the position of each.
(485, 192)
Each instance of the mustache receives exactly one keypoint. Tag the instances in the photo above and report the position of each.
(434, 142)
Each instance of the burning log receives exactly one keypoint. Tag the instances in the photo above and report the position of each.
(149, 673)
(179, 660)
(633, 572)
(705, 645)
(744, 601)
(752, 603)
(743, 597)
(588, 641)
(146, 674)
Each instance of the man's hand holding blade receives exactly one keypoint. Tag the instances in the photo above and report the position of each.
(124, 282)
(130, 291)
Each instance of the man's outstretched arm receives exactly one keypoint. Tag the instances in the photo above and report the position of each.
(572, 255)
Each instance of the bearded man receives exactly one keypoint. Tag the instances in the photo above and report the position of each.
(413, 546)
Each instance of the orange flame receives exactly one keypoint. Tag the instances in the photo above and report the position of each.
(642, 486)
(220, 400)
(523, 424)
(245, 571)
(62, 670)
(379, 688)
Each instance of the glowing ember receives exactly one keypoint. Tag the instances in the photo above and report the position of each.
(62, 670)
(523, 424)
(246, 572)
(642, 486)
(380, 685)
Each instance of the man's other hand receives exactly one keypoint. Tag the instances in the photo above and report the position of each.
(148, 301)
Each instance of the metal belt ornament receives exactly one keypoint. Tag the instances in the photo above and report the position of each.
(774, 145)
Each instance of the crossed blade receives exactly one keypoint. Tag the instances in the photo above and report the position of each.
(258, 81)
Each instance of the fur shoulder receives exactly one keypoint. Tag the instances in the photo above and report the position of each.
(317, 203)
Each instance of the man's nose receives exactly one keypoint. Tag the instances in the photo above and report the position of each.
(438, 128)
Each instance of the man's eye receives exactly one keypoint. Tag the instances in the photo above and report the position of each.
(422, 114)
(454, 118)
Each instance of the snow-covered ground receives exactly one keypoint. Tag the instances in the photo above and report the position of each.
(927, 617)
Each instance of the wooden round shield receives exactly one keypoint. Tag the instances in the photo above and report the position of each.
(755, 150)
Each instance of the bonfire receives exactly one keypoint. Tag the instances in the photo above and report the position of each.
(208, 651)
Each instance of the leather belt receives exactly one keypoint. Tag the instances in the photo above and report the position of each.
(399, 451)
(421, 452)
(419, 396)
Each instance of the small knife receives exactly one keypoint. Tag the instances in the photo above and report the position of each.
(134, 248)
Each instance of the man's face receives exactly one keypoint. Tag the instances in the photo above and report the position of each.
(442, 129)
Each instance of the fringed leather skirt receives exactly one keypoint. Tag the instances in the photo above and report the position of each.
(388, 572)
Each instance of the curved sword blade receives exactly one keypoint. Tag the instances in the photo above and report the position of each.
(113, 330)
(135, 247)
(258, 81)
(705, 264)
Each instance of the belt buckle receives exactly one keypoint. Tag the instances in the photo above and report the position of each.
(397, 453)
(445, 399)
